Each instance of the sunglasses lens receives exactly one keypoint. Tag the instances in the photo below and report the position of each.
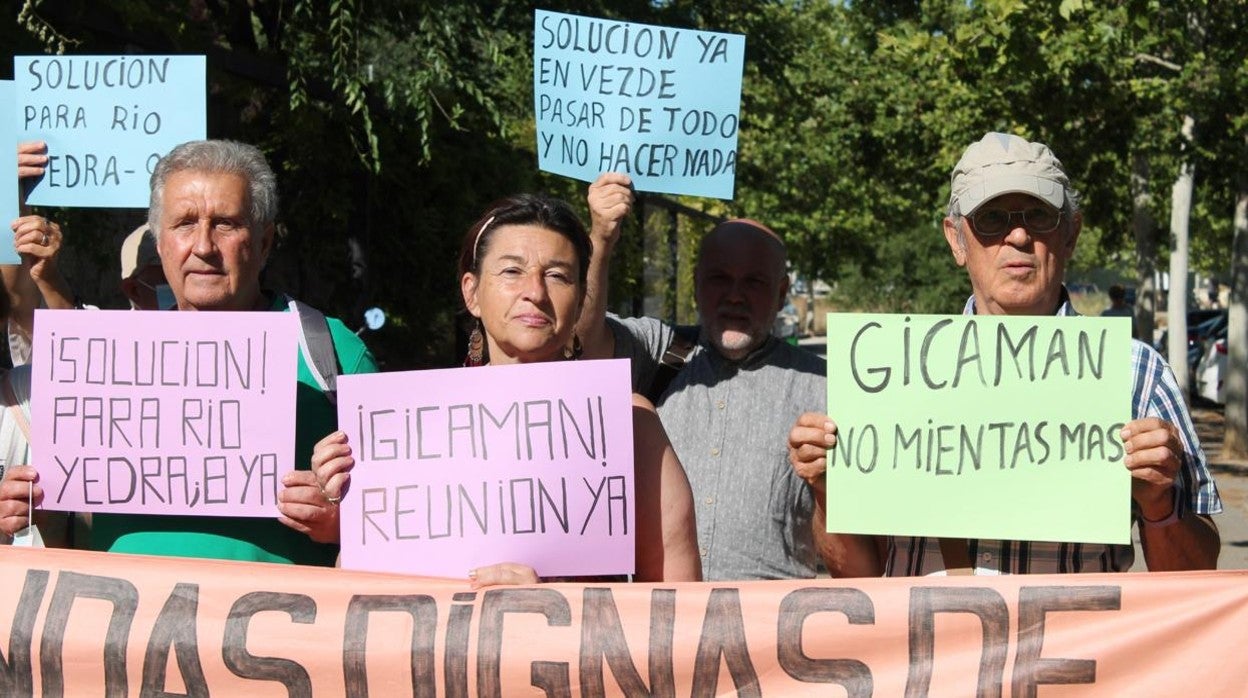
(995, 221)
(991, 221)
(1040, 219)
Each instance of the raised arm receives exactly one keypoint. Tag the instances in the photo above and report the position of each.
(667, 532)
(845, 555)
(38, 242)
(610, 200)
(1154, 456)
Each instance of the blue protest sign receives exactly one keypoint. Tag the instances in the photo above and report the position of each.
(657, 103)
(8, 176)
(107, 120)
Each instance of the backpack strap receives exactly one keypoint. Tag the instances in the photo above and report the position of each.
(316, 344)
(684, 339)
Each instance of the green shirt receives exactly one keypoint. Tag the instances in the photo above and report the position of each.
(252, 539)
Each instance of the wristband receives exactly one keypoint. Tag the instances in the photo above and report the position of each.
(1169, 520)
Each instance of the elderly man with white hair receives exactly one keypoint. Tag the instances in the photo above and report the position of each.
(212, 211)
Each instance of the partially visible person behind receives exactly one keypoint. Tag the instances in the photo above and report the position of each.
(1117, 302)
(1118, 306)
(1012, 223)
(15, 449)
(727, 393)
(213, 207)
(523, 272)
(142, 276)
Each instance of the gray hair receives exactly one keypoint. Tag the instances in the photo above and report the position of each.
(219, 156)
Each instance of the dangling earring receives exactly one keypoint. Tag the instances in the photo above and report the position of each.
(574, 352)
(476, 346)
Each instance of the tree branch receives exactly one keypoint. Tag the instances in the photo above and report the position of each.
(1147, 58)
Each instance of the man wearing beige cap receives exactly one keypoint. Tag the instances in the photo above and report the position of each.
(142, 277)
(726, 393)
(1013, 221)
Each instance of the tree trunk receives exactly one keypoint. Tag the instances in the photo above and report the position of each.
(1176, 308)
(1143, 227)
(1235, 443)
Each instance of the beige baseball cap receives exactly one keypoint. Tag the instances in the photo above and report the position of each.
(138, 252)
(1002, 163)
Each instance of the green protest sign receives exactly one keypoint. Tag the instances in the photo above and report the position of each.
(969, 426)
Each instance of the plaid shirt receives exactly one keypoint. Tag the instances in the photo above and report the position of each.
(1154, 393)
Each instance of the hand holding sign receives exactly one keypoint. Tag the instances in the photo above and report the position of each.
(307, 508)
(610, 201)
(809, 442)
(37, 241)
(32, 157)
(1153, 457)
(309, 498)
(18, 493)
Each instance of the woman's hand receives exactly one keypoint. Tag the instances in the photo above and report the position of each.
(18, 492)
(309, 498)
(504, 573)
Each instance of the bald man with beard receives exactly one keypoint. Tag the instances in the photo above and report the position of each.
(730, 405)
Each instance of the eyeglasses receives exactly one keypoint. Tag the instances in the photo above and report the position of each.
(991, 222)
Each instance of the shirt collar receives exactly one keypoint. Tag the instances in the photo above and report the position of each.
(1064, 308)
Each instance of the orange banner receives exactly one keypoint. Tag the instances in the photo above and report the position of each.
(92, 624)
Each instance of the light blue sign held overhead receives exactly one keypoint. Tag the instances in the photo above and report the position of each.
(107, 120)
(8, 177)
(657, 103)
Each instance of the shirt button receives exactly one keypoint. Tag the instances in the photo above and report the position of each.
(710, 500)
(720, 404)
(703, 551)
(715, 451)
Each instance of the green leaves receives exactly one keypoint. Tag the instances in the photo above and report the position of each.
(1068, 8)
(393, 122)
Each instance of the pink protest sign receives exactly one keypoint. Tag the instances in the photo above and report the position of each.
(163, 412)
(459, 468)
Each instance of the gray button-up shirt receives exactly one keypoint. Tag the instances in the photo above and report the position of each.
(729, 423)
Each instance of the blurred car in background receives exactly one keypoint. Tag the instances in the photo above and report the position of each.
(1210, 373)
(788, 323)
(1202, 326)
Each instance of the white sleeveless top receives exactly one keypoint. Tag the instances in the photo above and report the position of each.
(14, 447)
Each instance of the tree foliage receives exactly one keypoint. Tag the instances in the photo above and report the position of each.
(393, 123)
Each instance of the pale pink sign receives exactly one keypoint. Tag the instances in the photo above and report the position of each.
(163, 412)
(460, 468)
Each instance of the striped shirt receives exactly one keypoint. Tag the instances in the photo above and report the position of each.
(1154, 393)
